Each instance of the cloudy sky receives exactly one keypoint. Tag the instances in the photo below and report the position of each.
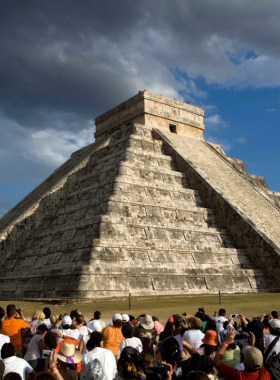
(63, 62)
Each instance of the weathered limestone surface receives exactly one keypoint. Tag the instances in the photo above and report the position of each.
(143, 210)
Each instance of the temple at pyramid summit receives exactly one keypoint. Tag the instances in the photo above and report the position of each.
(149, 208)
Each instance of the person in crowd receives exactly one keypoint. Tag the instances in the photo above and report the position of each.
(37, 318)
(46, 321)
(104, 356)
(179, 325)
(209, 344)
(125, 319)
(129, 340)
(81, 325)
(253, 362)
(36, 347)
(74, 314)
(158, 326)
(2, 368)
(67, 361)
(220, 319)
(129, 364)
(112, 335)
(12, 376)
(274, 332)
(97, 316)
(3, 339)
(66, 330)
(15, 364)
(12, 325)
(2, 313)
(275, 314)
(146, 332)
(50, 340)
(94, 324)
(194, 336)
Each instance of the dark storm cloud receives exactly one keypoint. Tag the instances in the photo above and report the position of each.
(81, 58)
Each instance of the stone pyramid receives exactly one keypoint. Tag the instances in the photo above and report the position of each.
(150, 208)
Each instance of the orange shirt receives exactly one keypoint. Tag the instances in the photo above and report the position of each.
(12, 327)
(112, 337)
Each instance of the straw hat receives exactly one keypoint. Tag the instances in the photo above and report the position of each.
(68, 354)
(210, 338)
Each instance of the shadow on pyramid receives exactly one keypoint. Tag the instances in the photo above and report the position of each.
(150, 208)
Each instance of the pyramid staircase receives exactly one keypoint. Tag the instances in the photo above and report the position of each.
(124, 219)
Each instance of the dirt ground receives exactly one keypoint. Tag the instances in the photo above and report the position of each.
(162, 307)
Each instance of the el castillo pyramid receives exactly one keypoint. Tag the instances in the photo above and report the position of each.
(149, 208)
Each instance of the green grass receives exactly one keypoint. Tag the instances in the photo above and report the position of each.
(162, 307)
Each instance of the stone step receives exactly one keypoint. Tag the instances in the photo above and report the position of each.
(241, 194)
(123, 201)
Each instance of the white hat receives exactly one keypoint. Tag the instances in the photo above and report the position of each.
(147, 322)
(116, 316)
(125, 318)
(274, 323)
(66, 320)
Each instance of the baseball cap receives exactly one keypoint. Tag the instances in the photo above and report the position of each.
(274, 323)
(125, 318)
(66, 320)
(253, 357)
(116, 316)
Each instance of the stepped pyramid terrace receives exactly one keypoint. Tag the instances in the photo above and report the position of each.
(149, 208)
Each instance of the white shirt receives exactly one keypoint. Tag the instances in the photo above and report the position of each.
(219, 323)
(94, 326)
(132, 342)
(33, 351)
(106, 358)
(194, 338)
(72, 333)
(3, 339)
(18, 365)
(83, 330)
(268, 338)
(47, 322)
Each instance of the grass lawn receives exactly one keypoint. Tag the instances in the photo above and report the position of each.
(162, 307)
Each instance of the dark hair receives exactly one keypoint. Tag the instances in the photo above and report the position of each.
(171, 351)
(127, 330)
(50, 340)
(2, 312)
(210, 325)
(222, 312)
(117, 323)
(74, 314)
(168, 330)
(12, 376)
(44, 376)
(129, 356)
(11, 310)
(199, 375)
(94, 340)
(154, 318)
(47, 312)
(131, 317)
(275, 314)
(201, 316)
(7, 350)
(96, 314)
(42, 328)
(208, 349)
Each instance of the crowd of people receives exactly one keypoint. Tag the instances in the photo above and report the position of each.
(194, 347)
